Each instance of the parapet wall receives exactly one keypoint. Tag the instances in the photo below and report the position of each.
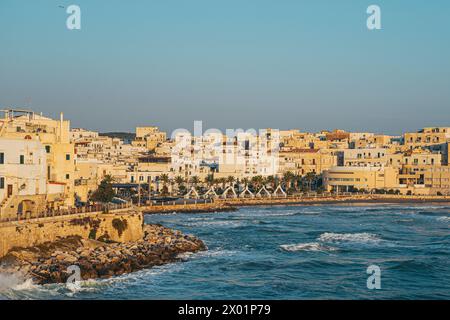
(119, 227)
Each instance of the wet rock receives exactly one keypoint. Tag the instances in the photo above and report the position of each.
(48, 263)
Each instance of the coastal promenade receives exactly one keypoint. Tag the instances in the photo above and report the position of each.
(94, 209)
(228, 204)
(231, 204)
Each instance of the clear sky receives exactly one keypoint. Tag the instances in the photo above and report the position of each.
(307, 64)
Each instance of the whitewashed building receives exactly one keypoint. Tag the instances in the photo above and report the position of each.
(23, 176)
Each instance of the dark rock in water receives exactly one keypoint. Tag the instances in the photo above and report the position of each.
(49, 262)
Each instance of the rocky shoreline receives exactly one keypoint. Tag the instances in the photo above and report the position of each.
(49, 262)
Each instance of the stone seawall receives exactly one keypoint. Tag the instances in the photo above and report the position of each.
(231, 204)
(197, 208)
(51, 262)
(351, 199)
(120, 227)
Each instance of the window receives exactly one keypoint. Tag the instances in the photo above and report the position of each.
(2, 158)
(47, 149)
(67, 176)
(2, 183)
(22, 159)
(67, 156)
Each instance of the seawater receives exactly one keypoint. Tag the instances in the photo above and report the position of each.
(304, 252)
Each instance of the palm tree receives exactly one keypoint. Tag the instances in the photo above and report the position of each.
(257, 182)
(287, 178)
(271, 180)
(179, 181)
(195, 181)
(209, 179)
(222, 181)
(231, 180)
(165, 180)
(312, 179)
(297, 181)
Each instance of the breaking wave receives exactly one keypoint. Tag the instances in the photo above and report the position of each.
(312, 247)
(9, 281)
(348, 237)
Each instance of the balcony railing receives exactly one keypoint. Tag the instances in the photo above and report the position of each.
(98, 208)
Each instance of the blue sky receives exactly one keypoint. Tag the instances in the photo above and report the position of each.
(307, 64)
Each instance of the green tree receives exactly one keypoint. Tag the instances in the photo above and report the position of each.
(209, 179)
(195, 181)
(257, 182)
(105, 192)
(222, 181)
(180, 182)
(231, 180)
(310, 179)
(165, 180)
(288, 176)
(271, 181)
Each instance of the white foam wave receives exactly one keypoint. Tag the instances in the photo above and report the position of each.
(445, 219)
(281, 214)
(229, 223)
(348, 237)
(12, 281)
(313, 247)
(219, 252)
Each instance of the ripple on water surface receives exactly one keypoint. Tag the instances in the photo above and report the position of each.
(287, 253)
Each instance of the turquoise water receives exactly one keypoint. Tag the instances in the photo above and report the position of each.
(305, 252)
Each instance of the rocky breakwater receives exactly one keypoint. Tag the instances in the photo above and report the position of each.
(51, 262)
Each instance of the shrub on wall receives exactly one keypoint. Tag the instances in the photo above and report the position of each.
(120, 225)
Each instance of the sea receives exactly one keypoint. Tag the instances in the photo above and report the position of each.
(286, 252)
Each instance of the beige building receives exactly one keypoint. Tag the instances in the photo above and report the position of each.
(86, 178)
(365, 157)
(149, 137)
(77, 134)
(54, 136)
(437, 178)
(304, 161)
(414, 165)
(369, 140)
(298, 140)
(24, 190)
(344, 179)
(427, 137)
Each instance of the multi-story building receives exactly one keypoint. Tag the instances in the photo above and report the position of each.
(345, 179)
(77, 134)
(24, 189)
(54, 135)
(304, 161)
(149, 137)
(367, 157)
(427, 137)
(414, 164)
